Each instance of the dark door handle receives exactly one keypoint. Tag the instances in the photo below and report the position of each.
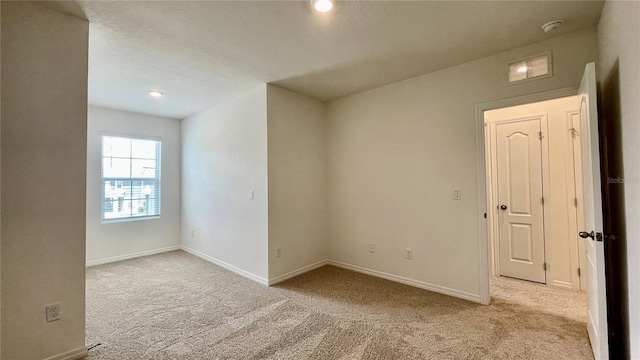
(503, 207)
(584, 235)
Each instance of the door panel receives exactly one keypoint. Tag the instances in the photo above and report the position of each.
(592, 210)
(521, 243)
(519, 180)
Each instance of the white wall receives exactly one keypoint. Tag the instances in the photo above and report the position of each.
(619, 41)
(396, 153)
(561, 247)
(44, 133)
(224, 155)
(0, 201)
(297, 181)
(114, 240)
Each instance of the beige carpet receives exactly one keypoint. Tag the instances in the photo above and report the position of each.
(176, 306)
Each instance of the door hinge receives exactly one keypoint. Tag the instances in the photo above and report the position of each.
(575, 202)
(485, 215)
(544, 266)
(540, 135)
(579, 273)
(573, 132)
(543, 200)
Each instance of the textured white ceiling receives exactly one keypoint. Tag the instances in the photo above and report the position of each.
(203, 53)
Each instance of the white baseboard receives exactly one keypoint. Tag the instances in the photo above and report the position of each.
(225, 265)
(403, 280)
(132, 256)
(74, 354)
(562, 284)
(297, 272)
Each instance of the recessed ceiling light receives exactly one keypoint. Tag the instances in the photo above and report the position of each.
(522, 69)
(156, 93)
(323, 5)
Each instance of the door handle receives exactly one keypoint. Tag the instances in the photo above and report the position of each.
(584, 235)
(503, 207)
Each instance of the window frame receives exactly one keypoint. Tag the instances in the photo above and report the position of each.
(157, 179)
(547, 54)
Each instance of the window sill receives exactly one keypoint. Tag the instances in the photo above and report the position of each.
(129, 219)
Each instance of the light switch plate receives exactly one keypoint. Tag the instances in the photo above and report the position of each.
(457, 195)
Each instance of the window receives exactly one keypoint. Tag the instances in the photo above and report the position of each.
(537, 66)
(130, 178)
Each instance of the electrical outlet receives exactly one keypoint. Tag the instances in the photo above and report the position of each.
(408, 253)
(278, 252)
(53, 312)
(372, 247)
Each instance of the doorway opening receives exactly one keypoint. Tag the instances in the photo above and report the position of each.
(534, 206)
(534, 199)
(593, 208)
(534, 193)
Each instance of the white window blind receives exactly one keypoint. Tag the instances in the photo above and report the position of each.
(130, 177)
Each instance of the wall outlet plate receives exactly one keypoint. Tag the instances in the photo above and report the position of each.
(408, 253)
(372, 247)
(53, 312)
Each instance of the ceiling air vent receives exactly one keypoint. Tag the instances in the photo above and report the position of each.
(532, 67)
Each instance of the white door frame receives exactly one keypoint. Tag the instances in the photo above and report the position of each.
(492, 189)
(575, 201)
(481, 175)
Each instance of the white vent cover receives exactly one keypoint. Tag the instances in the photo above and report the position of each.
(537, 66)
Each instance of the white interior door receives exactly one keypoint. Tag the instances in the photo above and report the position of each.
(596, 290)
(521, 214)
